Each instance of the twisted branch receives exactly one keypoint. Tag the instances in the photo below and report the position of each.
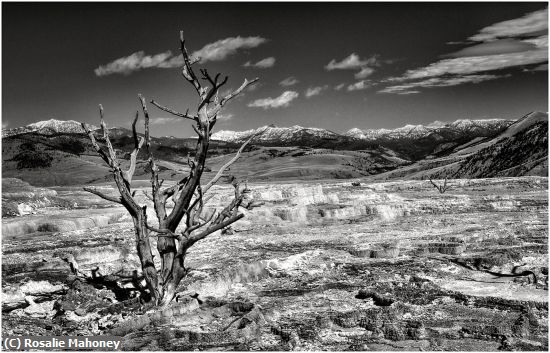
(103, 196)
(173, 112)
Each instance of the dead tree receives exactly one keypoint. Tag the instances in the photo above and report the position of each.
(187, 194)
(441, 188)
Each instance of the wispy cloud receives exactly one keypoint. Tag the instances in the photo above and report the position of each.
(289, 81)
(224, 117)
(279, 102)
(530, 23)
(340, 86)
(354, 62)
(475, 64)
(262, 64)
(314, 91)
(539, 42)
(501, 46)
(215, 51)
(162, 120)
(407, 88)
(504, 45)
(222, 48)
(364, 73)
(542, 67)
(5, 124)
(359, 85)
(135, 62)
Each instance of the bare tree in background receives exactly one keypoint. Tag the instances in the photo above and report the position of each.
(188, 194)
(440, 188)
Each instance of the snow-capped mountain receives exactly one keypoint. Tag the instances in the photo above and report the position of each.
(521, 149)
(419, 131)
(272, 134)
(48, 127)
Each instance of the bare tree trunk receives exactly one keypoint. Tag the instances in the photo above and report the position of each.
(187, 194)
(145, 254)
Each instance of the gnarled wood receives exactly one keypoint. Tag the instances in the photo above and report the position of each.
(187, 194)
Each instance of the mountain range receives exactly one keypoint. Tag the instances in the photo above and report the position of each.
(412, 141)
(273, 134)
(48, 127)
(55, 152)
(521, 149)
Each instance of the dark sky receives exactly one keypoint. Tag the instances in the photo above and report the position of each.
(365, 65)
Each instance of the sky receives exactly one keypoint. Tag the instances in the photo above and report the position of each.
(329, 65)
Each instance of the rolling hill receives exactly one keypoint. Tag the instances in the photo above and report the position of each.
(521, 149)
(57, 153)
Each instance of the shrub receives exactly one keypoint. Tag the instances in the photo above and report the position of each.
(33, 159)
(73, 146)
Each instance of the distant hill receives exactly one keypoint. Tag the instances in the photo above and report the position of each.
(419, 141)
(412, 141)
(47, 127)
(521, 149)
(458, 127)
(59, 153)
(272, 134)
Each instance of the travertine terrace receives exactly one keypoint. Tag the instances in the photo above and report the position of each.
(327, 265)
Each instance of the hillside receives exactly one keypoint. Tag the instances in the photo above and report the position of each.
(412, 141)
(521, 149)
(53, 153)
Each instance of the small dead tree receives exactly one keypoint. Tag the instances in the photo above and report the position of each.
(440, 188)
(188, 194)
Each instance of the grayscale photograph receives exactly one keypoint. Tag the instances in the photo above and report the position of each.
(275, 176)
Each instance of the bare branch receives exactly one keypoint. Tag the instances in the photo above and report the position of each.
(146, 115)
(172, 189)
(117, 199)
(197, 131)
(235, 93)
(148, 196)
(138, 143)
(98, 149)
(105, 131)
(121, 177)
(440, 188)
(198, 198)
(214, 89)
(163, 232)
(200, 225)
(154, 169)
(173, 112)
(216, 227)
(189, 199)
(228, 164)
(253, 204)
(230, 96)
(158, 200)
(187, 70)
(134, 131)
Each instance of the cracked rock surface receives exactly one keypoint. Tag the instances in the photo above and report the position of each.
(319, 266)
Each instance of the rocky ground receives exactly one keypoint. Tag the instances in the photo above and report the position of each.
(320, 266)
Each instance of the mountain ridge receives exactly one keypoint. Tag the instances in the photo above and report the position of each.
(48, 158)
(48, 127)
(272, 131)
(521, 149)
(408, 130)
